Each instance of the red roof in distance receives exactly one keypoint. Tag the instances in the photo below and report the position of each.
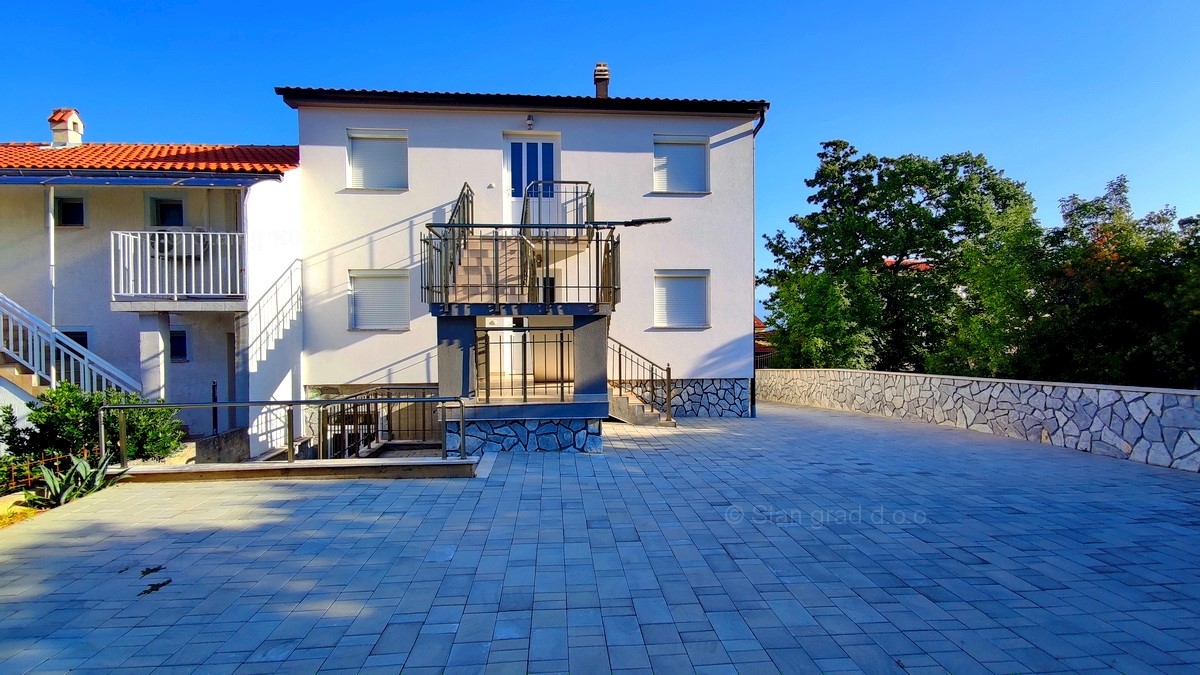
(236, 159)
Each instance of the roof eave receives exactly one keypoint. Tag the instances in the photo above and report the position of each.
(296, 97)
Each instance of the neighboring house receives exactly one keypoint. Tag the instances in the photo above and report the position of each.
(513, 249)
(764, 349)
(168, 264)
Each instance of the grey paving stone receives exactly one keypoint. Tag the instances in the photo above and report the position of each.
(764, 544)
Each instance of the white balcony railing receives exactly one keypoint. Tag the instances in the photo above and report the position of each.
(177, 265)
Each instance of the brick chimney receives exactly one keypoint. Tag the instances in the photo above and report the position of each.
(600, 75)
(67, 127)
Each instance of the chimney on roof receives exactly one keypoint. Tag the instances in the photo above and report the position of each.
(67, 127)
(600, 75)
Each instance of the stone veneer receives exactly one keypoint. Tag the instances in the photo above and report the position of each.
(562, 435)
(720, 397)
(1155, 426)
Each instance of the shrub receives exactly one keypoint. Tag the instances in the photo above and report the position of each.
(78, 481)
(63, 420)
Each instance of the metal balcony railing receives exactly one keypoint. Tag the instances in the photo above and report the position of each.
(524, 364)
(177, 264)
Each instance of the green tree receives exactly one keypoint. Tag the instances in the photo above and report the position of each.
(1120, 296)
(887, 234)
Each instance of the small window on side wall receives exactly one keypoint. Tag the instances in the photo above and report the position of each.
(378, 160)
(680, 164)
(379, 300)
(68, 212)
(179, 346)
(681, 299)
(167, 212)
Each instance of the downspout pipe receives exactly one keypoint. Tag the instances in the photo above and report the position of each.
(53, 285)
(762, 119)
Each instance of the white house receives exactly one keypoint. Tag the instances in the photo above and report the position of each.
(544, 257)
(162, 268)
(380, 167)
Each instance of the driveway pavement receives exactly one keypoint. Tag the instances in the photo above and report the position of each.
(801, 541)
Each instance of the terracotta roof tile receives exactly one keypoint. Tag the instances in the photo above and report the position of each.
(258, 159)
(62, 115)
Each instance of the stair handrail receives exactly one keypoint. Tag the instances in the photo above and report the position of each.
(453, 239)
(42, 349)
(625, 360)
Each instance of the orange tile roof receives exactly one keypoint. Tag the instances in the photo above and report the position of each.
(258, 159)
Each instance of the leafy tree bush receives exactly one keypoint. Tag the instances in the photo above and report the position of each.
(63, 421)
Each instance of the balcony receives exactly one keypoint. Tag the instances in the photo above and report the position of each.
(178, 271)
(557, 260)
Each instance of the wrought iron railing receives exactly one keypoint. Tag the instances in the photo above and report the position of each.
(177, 264)
(54, 357)
(349, 412)
(631, 373)
(524, 364)
(558, 202)
(505, 264)
(347, 425)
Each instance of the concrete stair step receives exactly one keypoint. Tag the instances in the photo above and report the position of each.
(23, 378)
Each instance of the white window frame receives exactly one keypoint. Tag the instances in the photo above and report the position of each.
(379, 135)
(688, 274)
(400, 326)
(701, 142)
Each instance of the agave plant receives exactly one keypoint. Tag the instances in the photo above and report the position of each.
(78, 481)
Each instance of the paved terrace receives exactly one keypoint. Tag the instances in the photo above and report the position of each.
(801, 541)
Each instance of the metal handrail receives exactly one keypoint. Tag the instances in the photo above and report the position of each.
(355, 400)
(53, 356)
(177, 264)
(558, 355)
(548, 189)
(121, 408)
(625, 361)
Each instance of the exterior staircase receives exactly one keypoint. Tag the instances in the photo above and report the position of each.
(490, 270)
(630, 409)
(630, 372)
(34, 357)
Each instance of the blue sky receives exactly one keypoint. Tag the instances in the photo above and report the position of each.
(1061, 95)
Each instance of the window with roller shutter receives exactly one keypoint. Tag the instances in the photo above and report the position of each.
(378, 160)
(680, 164)
(379, 300)
(681, 298)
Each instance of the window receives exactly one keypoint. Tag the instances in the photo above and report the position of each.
(681, 298)
(378, 160)
(379, 300)
(68, 211)
(167, 212)
(680, 164)
(80, 337)
(179, 346)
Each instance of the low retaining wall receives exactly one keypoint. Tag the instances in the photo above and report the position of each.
(711, 397)
(1155, 426)
(540, 435)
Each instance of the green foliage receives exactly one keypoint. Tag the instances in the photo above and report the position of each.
(888, 235)
(80, 480)
(939, 265)
(63, 420)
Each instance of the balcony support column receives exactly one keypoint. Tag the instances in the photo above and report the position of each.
(155, 341)
(591, 362)
(456, 355)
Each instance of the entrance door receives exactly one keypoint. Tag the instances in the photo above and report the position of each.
(532, 160)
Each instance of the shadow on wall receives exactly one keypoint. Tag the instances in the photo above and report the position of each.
(273, 355)
(380, 240)
(738, 352)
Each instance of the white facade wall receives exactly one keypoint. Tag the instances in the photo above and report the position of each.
(273, 332)
(83, 279)
(347, 229)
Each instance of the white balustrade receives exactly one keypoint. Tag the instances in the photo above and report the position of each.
(177, 264)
